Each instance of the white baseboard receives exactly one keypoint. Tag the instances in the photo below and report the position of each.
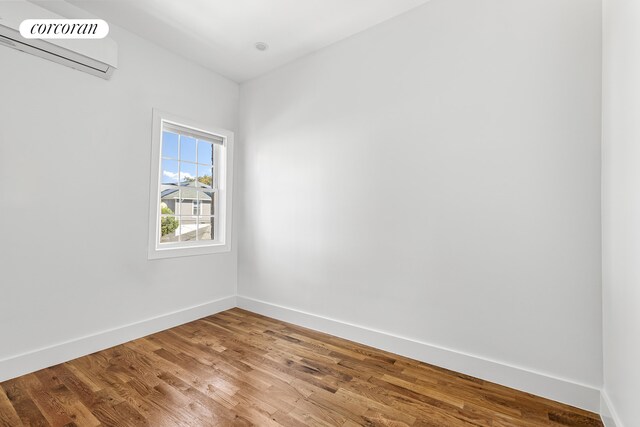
(608, 412)
(21, 364)
(561, 390)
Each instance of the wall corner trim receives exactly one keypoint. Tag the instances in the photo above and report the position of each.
(607, 412)
(561, 390)
(21, 364)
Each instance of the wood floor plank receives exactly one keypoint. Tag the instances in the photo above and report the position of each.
(69, 401)
(238, 368)
(8, 415)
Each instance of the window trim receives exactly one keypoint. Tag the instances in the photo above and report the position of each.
(224, 173)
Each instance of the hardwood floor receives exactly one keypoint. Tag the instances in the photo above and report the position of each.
(239, 368)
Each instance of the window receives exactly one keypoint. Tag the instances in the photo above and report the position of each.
(190, 203)
(197, 204)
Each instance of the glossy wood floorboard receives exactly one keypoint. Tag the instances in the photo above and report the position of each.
(239, 368)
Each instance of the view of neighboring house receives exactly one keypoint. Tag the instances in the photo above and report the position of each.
(189, 210)
(190, 198)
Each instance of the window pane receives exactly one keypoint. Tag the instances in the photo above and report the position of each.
(170, 145)
(205, 228)
(168, 229)
(205, 152)
(169, 172)
(187, 196)
(187, 228)
(205, 176)
(206, 202)
(187, 148)
(188, 173)
(169, 200)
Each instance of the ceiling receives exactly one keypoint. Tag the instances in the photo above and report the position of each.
(221, 34)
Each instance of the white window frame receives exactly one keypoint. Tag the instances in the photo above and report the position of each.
(224, 175)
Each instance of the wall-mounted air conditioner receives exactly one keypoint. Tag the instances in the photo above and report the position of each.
(94, 56)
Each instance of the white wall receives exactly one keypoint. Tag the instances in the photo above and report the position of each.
(437, 177)
(621, 209)
(64, 135)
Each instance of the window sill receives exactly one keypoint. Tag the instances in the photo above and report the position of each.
(173, 252)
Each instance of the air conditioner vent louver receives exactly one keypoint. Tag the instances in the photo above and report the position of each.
(7, 41)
